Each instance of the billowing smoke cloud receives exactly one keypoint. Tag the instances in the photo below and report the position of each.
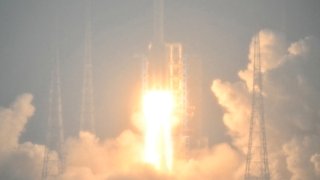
(88, 157)
(101, 159)
(18, 161)
(292, 99)
(13, 120)
(120, 159)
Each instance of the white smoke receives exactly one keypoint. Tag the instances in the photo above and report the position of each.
(18, 161)
(121, 158)
(88, 157)
(292, 99)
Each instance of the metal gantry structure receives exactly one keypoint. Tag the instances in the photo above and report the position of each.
(87, 119)
(257, 167)
(53, 160)
(178, 85)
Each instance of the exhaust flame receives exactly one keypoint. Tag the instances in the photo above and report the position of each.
(158, 107)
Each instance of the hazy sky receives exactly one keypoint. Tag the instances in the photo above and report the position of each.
(216, 33)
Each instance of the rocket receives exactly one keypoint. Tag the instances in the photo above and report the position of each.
(158, 64)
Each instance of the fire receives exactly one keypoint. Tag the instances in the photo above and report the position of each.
(158, 108)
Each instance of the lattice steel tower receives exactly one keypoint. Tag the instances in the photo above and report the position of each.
(177, 77)
(178, 85)
(53, 160)
(87, 119)
(257, 167)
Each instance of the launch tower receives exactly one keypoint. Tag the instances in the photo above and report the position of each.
(53, 160)
(178, 85)
(257, 167)
(87, 119)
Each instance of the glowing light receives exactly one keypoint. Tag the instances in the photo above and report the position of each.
(157, 107)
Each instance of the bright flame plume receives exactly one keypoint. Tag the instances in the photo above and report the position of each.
(158, 108)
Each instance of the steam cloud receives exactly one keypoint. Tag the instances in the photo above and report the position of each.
(292, 97)
(18, 161)
(292, 101)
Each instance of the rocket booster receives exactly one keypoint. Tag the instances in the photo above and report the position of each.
(158, 64)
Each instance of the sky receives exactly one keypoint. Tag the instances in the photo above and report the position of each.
(216, 36)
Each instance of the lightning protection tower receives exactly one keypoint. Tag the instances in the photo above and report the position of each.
(87, 119)
(53, 160)
(257, 167)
